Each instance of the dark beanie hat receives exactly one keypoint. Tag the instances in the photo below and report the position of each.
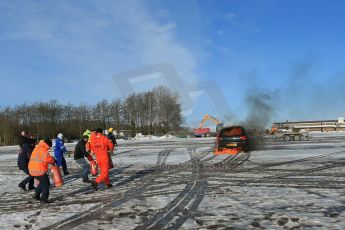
(99, 130)
(48, 142)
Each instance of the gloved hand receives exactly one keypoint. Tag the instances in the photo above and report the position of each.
(68, 153)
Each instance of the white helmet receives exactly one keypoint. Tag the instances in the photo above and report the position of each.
(60, 136)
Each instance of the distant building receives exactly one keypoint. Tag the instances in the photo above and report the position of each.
(323, 125)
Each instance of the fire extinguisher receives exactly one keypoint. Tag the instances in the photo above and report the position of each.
(56, 176)
(110, 163)
(93, 167)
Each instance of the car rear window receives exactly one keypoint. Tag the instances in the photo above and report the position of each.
(231, 132)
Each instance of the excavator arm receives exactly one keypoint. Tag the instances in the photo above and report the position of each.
(202, 130)
(208, 117)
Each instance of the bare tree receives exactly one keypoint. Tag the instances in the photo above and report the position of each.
(152, 112)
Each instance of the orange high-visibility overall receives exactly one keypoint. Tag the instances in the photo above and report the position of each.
(39, 160)
(100, 145)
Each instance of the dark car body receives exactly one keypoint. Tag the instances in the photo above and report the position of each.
(233, 139)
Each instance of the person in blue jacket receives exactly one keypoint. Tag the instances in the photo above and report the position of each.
(59, 151)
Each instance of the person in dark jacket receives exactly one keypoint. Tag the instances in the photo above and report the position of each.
(23, 139)
(23, 161)
(79, 156)
(111, 136)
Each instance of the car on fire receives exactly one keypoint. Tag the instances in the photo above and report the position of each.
(232, 140)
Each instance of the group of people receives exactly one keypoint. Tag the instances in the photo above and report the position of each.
(34, 160)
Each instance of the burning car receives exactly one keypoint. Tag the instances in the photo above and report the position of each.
(232, 140)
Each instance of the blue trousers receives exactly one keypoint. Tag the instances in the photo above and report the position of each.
(43, 187)
(60, 161)
(85, 166)
(28, 180)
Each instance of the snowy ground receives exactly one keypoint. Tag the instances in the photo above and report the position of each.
(178, 183)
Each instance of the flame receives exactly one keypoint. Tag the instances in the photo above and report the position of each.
(227, 151)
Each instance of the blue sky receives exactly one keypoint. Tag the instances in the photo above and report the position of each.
(293, 51)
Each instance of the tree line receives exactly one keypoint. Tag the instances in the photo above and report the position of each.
(156, 112)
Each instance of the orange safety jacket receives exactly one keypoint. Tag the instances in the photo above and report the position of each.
(100, 145)
(39, 160)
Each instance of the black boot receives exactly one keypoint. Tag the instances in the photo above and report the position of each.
(22, 186)
(86, 181)
(94, 185)
(109, 185)
(36, 197)
(46, 201)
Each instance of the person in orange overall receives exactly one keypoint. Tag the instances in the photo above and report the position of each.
(100, 146)
(38, 168)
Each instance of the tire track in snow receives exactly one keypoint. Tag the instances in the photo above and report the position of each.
(97, 210)
(180, 209)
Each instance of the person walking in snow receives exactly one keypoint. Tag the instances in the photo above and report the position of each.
(100, 146)
(80, 154)
(111, 136)
(38, 168)
(23, 161)
(59, 151)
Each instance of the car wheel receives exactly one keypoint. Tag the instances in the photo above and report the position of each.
(287, 138)
(297, 138)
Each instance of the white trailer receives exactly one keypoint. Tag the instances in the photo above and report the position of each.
(291, 135)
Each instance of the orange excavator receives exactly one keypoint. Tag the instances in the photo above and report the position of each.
(200, 132)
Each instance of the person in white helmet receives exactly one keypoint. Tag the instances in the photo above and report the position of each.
(59, 151)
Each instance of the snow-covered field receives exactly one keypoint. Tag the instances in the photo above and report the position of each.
(171, 183)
